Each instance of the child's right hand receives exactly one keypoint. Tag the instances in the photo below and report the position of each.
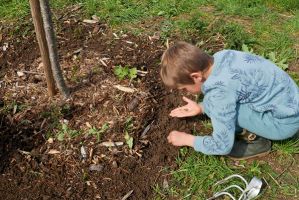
(191, 109)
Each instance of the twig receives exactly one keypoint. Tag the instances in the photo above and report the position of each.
(274, 179)
(30, 72)
(285, 169)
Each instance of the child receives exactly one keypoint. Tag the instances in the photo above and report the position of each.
(241, 91)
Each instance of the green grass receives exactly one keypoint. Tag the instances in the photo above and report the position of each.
(198, 173)
(17, 10)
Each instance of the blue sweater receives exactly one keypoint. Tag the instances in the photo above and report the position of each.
(240, 78)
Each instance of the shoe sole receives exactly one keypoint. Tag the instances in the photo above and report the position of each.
(249, 157)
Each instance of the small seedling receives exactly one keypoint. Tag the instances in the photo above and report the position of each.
(66, 131)
(129, 140)
(128, 127)
(126, 71)
(99, 132)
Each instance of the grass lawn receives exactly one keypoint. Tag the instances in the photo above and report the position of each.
(266, 27)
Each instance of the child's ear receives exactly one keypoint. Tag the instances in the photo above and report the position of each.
(196, 76)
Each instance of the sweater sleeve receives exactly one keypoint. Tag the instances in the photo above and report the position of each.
(220, 105)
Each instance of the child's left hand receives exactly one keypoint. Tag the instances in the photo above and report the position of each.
(178, 138)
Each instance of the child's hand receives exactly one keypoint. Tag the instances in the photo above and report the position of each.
(178, 138)
(191, 109)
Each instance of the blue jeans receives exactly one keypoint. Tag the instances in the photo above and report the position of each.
(265, 125)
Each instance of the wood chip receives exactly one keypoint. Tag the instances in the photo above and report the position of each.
(127, 195)
(94, 167)
(88, 125)
(20, 74)
(103, 63)
(90, 21)
(124, 89)
(50, 140)
(94, 17)
(53, 151)
(83, 152)
(111, 144)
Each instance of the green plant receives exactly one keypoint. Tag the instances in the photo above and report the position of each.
(98, 132)
(287, 147)
(65, 131)
(13, 107)
(126, 71)
(129, 140)
(271, 56)
(234, 34)
(295, 77)
(128, 127)
(280, 63)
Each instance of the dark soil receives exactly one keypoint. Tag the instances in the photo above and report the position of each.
(30, 120)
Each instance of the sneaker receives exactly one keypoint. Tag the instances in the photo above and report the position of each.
(246, 135)
(245, 149)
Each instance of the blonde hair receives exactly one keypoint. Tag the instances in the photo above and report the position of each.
(181, 60)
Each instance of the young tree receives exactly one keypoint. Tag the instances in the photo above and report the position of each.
(51, 41)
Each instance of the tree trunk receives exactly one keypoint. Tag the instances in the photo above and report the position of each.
(51, 41)
(42, 43)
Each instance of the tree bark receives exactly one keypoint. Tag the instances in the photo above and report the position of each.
(51, 41)
(42, 43)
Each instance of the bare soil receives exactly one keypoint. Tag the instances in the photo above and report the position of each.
(35, 165)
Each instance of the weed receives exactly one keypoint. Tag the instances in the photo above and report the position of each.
(234, 34)
(193, 26)
(129, 140)
(125, 72)
(98, 132)
(128, 128)
(13, 107)
(166, 28)
(271, 56)
(65, 131)
(253, 8)
(207, 124)
(295, 77)
(287, 147)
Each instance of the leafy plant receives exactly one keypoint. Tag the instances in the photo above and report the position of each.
(66, 131)
(128, 127)
(234, 34)
(280, 63)
(126, 71)
(271, 56)
(99, 132)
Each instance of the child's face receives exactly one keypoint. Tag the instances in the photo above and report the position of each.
(193, 88)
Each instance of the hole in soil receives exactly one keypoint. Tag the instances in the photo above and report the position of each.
(13, 138)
